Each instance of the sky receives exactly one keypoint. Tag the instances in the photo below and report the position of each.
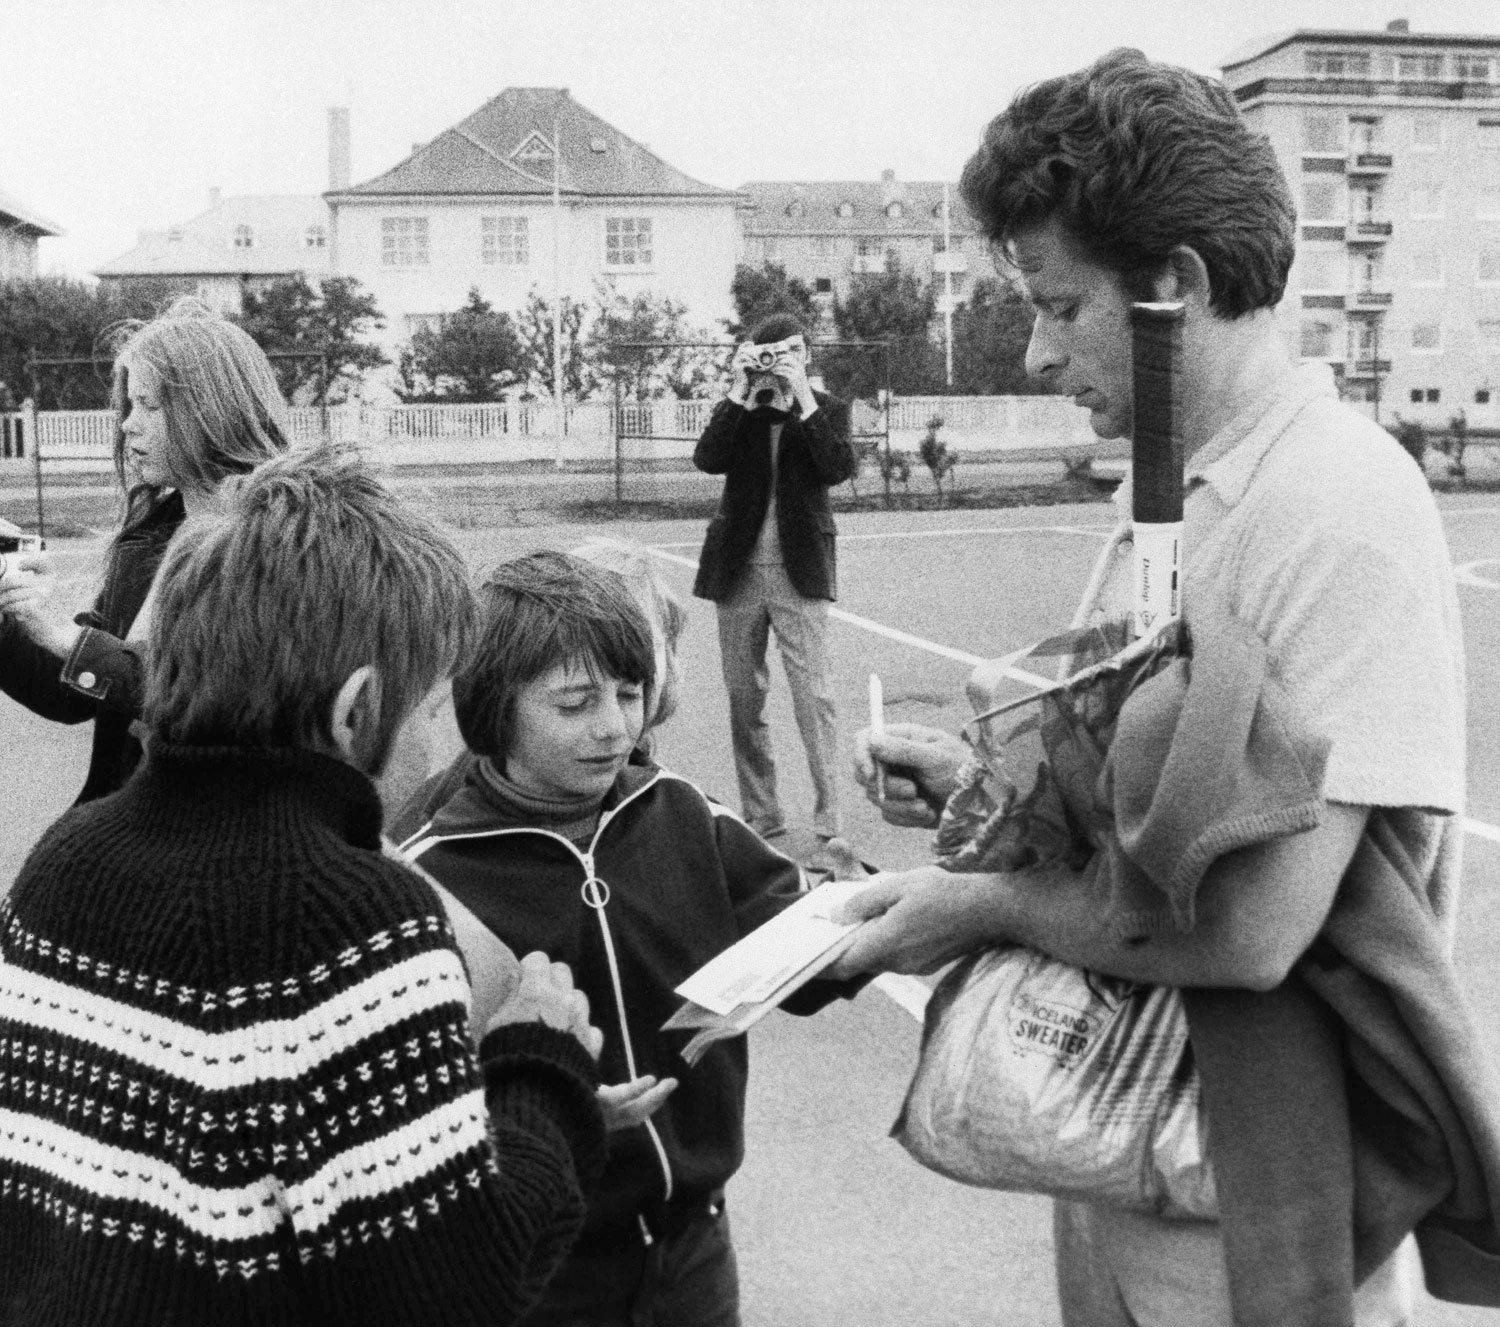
(120, 115)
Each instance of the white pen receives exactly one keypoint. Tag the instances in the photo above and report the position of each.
(877, 729)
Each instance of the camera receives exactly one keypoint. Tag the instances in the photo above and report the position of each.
(766, 389)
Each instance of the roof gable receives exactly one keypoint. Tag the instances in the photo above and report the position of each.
(205, 245)
(27, 218)
(505, 147)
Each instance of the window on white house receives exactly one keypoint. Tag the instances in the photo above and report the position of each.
(1427, 200)
(627, 241)
(244, 237)
(505, 240)
(315, 237)
(1317, 338)
(1487, 265)
(1337, 64)
(1427, 132)
(869, 255)
(403, 241)
(1489, 333)
(1487, 171)
(1322, 269)
(1322, 201)
(1427, 268)
(1426, 336)
(1321, 132)
(1419, 68)
(1472, 68)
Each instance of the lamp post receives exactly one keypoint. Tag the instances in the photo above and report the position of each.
(947, 289)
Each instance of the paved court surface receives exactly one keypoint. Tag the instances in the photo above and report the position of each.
(834, 1224)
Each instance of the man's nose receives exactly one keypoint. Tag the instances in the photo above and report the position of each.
(1044, 352)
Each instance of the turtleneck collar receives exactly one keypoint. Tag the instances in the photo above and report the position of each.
(574, 818)
(250, 791)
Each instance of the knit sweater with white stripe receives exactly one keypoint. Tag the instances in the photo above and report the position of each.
(235, 1079)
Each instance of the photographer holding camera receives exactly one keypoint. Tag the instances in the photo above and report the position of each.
(768, 559)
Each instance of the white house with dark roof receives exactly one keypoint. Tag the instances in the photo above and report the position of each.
(240, 243)
(20, 229)
(825, 232)
(477, 207)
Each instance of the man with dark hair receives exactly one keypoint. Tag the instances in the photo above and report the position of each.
(240, 1085)
(1313, 546)
(768, 560)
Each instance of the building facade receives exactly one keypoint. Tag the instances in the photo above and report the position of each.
(827, 232)
(487, 205)
(237, 245)
(1391, 142)
(20, 229)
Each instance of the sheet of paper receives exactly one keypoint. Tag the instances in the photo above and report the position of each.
(753, 969)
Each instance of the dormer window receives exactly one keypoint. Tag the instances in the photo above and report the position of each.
(244, 237)
(845, 209)
(895, 211)
(174, 236)
(795, 208)
(315, 237)
(598, 145)
(534, 151)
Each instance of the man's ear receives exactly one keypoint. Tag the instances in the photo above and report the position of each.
(354, 718)
(1184, 279)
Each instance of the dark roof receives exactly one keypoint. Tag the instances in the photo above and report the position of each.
(26, 217)
(488, 154)
(204, 246)
(811, 207)
(1254, 50)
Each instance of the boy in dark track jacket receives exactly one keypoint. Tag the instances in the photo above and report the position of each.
(555, 838)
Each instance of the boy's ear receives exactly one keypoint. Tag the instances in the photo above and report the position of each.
(354, 718)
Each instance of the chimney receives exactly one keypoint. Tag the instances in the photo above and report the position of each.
(889, 189)
(214, 194)
(1398, 25)
(338, 147)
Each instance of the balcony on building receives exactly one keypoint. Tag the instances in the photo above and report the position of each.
(1366, 368)
(1367, 231)
(951, 260)
(1367, 162)
(1369, 297)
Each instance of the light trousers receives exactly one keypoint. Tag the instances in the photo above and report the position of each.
(764, 601)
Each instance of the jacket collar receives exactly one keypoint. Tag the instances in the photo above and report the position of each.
(472, 810)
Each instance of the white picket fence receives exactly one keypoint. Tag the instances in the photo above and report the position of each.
(83, 440)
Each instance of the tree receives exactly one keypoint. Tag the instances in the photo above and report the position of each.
(991, 330)
(290, 315)
(55, 317)
(935, 455)
(1412, 435)
(758, 292)
(895, 306)
(534, 325)
(473, 356)
(645, 374)
(1455, 444)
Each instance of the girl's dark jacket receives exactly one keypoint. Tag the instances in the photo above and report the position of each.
(812, 456)
(101, 677)
(681, 879)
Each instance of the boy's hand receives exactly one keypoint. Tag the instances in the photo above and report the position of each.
(627, 1104)
(546, 994)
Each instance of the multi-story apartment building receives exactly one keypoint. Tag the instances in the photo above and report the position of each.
(20, 229)
(487, 205)
(1391, 141)
(826, 232)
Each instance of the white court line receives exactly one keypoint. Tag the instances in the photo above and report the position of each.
(1103, 533)
(908, 992)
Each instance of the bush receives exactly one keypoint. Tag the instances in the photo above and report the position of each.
(936, 456)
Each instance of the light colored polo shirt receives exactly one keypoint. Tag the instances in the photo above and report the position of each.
(1309, 522)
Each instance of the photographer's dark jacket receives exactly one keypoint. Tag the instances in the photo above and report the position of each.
(101, 677)
(813, 455)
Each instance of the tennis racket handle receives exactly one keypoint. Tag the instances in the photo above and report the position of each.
(1158, 575)
(1156, 448)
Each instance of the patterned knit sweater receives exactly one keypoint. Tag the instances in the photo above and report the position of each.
(235, 1080)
